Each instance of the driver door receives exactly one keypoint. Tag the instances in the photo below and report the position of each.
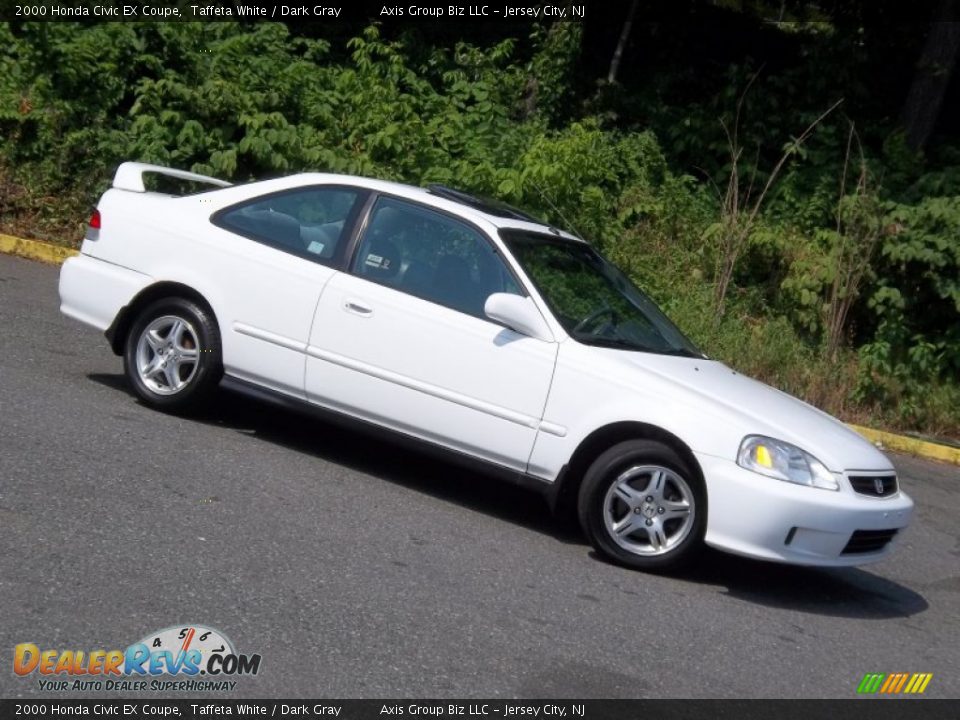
(401, 339)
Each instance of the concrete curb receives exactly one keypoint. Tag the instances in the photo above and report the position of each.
(910, 446)
(56, 254)
(35, 249)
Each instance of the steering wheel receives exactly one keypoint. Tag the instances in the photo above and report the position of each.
(592, 318)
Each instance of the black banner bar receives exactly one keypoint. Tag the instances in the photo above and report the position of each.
(136, 708)
(307, 10)
(836, 12)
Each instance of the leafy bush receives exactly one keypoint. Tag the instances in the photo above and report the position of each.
(634, 169)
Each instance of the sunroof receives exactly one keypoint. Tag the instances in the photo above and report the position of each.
(487, 205)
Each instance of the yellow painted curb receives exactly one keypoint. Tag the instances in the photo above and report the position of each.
(35, 249)
(911, 446)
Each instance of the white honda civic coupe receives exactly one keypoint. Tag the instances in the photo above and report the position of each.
(468, 326)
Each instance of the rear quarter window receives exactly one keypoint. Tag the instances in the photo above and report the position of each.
(309, 222)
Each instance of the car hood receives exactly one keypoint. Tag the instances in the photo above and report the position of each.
(759, 408)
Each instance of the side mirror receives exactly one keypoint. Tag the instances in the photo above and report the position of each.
(519, 314)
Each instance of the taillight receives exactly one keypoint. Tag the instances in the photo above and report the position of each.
(95, 220)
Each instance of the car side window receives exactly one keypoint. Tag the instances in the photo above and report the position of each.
(310, 222)
(432, 256)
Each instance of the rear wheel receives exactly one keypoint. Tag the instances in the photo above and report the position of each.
(172, 354)
(642, 506)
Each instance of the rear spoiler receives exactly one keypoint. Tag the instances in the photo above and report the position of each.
(130, 176)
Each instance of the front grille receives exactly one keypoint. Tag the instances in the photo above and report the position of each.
(874, 485)
(868, 541)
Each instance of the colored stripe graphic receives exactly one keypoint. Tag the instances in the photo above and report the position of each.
(889, 682)
(894, 683)
(871, 682)
(927, 677)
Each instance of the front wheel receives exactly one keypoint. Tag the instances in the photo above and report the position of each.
(642, 506)
(172, 354)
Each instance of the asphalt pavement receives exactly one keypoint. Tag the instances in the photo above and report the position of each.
(358, 568)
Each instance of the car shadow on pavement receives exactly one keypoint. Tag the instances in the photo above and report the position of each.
(839, 592)
(377, 455)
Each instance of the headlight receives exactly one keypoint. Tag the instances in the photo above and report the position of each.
(783, 461)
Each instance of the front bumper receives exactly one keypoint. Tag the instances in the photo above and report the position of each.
(760, 517)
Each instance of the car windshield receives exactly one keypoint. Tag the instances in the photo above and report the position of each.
(592, 299)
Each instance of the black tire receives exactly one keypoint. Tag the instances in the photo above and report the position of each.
(198, 379)
(657, 535)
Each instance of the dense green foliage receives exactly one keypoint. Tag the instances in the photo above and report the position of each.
(845, 289)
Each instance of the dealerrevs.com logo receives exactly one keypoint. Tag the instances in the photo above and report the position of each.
(185, 657)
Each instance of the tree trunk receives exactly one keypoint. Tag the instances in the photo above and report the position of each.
(622, 43)
(937, 60)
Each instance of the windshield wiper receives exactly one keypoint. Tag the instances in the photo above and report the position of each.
(622, 344)
(616, 343)
(680, 352)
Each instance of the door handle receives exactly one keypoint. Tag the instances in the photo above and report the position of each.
(357, 308)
